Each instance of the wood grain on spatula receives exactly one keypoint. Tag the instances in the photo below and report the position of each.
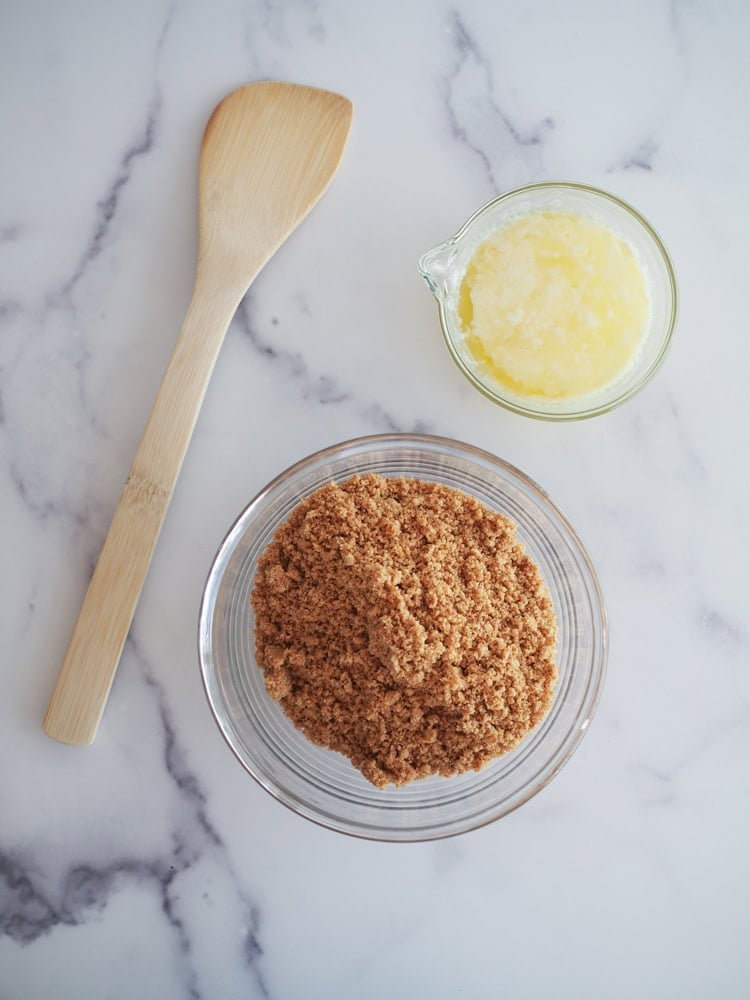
(268, 154)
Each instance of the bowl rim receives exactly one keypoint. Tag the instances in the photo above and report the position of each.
(585, 413)
(437, 443)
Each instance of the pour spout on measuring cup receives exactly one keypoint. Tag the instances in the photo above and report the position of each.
(434, 266)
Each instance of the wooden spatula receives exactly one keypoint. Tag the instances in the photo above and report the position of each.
(268, 153)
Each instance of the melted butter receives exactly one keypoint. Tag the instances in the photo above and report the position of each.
(554, 305)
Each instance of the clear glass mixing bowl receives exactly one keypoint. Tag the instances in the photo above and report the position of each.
(322, 785)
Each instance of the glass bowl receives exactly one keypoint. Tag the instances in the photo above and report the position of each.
(323, 785)
(444, 266)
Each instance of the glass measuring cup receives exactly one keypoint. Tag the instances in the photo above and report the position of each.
(443, 268)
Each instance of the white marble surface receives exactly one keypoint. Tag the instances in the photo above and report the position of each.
(150, 865)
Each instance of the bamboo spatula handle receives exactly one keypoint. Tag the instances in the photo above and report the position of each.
(90, 663)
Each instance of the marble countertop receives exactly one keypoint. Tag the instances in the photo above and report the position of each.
(150, 864)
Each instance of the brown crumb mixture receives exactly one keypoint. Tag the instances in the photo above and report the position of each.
(401, 623)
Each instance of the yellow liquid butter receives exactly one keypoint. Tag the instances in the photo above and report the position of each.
(554, 305)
